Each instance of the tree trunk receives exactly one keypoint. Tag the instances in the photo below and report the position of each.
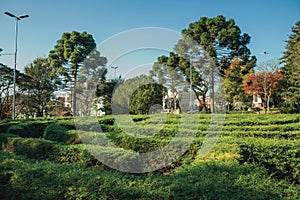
(212, 92)
(74, 109)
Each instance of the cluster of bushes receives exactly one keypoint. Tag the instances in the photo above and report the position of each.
(280, 157)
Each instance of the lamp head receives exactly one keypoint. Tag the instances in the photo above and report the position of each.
(9, 14)
(14, 16)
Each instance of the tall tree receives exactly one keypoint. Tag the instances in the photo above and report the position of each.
(291, 60)
(234, 78)
(6, 80)
(68, 54)
(41, 82)
(223, 41)
(91, 74)
(6, 83)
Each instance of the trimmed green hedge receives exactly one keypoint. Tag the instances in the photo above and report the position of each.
(280, 157)
(47, 150)
(28, 129)
(29, 147)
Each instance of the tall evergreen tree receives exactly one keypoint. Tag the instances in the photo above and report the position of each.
(234, 78)
(291, 60)
(68, 54)
(92, 73)
(222, 41)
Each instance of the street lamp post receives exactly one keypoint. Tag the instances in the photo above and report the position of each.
(265, 81)
(17, 18)
(191, 88)
(115, 70)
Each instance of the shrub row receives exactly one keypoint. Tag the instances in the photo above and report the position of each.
(28, 129)
(41, 149)
(58, 133)
(264, 134)
(285, 127)
(251, 120)
(280, 157)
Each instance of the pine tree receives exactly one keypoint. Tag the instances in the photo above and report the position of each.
(291, 60)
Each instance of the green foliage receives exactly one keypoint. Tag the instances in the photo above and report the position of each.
(222, 39)
(38, 90)
(55, 132)
(73, 137)
(45, 180)
(242, 165)
(291, 60)
(69, 124)
(28, 129)
(4, 136)
(6, 82)
(4, 125)
(69, 52)
(40, 149)
(29, 147)
(146, 96)
(105, 90)
(234, 78)
(281, 158)
(137, 95)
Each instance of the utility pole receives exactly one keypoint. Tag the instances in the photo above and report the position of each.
(265, 81)
(212, 87)
(191, 85)
(17, 18)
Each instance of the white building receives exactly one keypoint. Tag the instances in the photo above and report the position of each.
(257, 101)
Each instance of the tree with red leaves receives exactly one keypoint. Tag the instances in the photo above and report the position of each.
(264, 84)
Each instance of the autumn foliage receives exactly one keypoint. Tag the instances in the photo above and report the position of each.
(262, 83)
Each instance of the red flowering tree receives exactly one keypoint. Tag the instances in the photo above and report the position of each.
(265, 84)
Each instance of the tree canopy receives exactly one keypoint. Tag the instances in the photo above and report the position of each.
(234, 78)
(38, 89)
(6, 83)
(222, 40)
(266, 84)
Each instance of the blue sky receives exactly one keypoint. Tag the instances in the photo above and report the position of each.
(267, 22)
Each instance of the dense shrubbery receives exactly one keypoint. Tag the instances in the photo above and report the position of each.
(44, 180)
(46, 150)
(55, 132)
(281, 158)
(257, 157)
(30, 147)
(28, 129)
